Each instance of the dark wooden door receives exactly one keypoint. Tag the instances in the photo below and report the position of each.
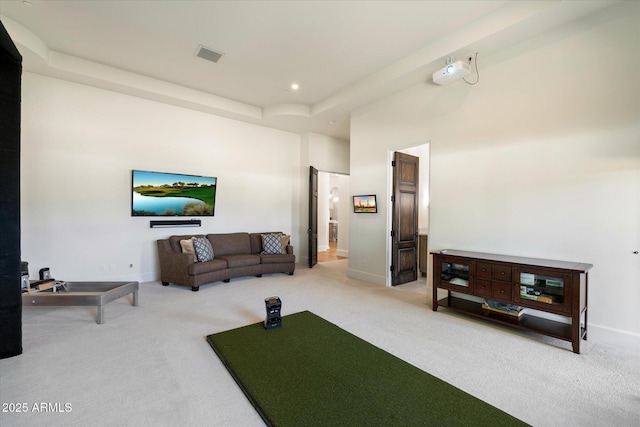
(313, 216)
(10, 267)
(404, 231)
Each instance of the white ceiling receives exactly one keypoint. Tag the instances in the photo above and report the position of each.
(343, 54)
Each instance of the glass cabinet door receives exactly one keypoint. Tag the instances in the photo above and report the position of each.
(456, 274)
(544, 288)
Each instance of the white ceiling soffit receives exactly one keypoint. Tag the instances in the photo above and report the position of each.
(343, 54)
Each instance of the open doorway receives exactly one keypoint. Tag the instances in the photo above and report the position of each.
(333, 216)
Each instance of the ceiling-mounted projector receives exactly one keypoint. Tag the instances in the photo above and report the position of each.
(451, 72)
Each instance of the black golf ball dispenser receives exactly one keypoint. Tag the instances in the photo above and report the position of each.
(273, 319)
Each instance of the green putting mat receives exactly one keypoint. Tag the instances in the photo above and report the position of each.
(310, 372)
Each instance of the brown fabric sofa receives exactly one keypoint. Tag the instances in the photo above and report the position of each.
(235, 255)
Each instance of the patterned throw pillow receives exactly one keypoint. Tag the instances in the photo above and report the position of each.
(204, 251)
(272, 243)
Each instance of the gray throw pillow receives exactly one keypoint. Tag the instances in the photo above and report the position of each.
(203, 249)
(272, 243)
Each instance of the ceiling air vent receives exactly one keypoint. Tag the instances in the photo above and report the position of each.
(208, 54)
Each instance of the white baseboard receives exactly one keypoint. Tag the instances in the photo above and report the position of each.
(342, 252)
(615, 337)
(367, 277)
(152, 276)
(149, 277)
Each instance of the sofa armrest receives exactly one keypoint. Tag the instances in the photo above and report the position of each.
(174, 266)
(289, 249)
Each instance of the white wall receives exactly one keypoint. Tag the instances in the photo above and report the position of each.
(79, 145)
(541, 159)
(345, 207)
(328, 154)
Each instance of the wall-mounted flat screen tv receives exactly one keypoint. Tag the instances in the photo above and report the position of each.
(172, 194)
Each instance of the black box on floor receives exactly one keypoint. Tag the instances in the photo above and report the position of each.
(273, 306)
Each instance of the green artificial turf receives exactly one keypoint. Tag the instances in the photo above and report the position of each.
(310, 372)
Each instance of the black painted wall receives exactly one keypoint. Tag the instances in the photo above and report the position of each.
(10, 297)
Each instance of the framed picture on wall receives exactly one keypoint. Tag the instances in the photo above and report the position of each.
(365, 204)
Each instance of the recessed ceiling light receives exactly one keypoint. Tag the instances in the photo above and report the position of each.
(26, 3)
(295, 86)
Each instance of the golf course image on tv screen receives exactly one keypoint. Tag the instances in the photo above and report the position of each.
(172, 194)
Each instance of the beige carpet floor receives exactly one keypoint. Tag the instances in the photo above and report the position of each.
(151, 366)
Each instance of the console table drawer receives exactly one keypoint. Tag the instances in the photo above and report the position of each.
(502, 290)
(483, 287)
(501, 272)
(483, 269)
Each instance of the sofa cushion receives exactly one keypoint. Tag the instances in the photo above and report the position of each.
(277, 259)
(204, 251)
(242, 260)
(272, 243)
(256, 242)
(206, 267)
(230, 243)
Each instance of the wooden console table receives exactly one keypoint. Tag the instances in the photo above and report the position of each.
(556, 287)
